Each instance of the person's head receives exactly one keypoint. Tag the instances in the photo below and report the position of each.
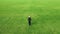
(29, 16)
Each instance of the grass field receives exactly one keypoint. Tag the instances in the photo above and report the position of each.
(45, 16)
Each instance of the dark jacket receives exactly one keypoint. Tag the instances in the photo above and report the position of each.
(29, 18)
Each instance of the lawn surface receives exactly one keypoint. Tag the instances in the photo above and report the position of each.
(45, 16)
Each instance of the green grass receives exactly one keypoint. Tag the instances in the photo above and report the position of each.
(45, 16)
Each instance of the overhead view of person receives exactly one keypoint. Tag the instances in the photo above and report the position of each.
(29, 20)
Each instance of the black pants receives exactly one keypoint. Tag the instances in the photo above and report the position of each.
(29, 22)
